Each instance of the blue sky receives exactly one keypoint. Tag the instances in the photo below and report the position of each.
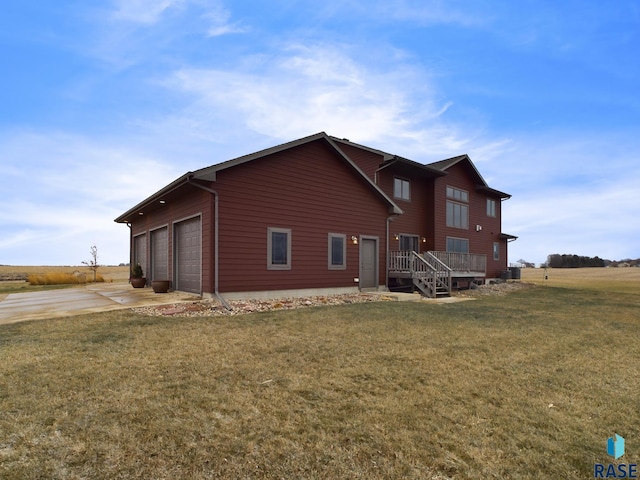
(103, 103)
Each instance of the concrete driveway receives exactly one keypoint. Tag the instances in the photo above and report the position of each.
(18, 307)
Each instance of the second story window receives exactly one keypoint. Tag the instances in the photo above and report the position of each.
(491, 207)
(457, 194)
(401, 189)
(457, 211)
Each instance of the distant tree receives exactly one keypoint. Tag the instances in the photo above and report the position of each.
(573, 261)
(554, 260)
(93, 263)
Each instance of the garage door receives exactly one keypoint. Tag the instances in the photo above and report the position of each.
(188, 256)
(159, 255)
(140, 252)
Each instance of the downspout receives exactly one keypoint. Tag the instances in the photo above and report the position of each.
(390, 218)
(215, 239)
(130, 249)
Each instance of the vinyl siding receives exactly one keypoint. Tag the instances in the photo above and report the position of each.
(310, 190)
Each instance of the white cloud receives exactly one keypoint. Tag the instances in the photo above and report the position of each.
(574, 195)
(311, 88)
(150, 12)
(62, 192)
(219, 19)
(144, 12)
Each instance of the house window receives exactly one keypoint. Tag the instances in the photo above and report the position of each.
(457, 245)
(457, 194)
(457, 212)
(491, 207)
(337, 247)
(496, 250)
(401, 189)
(457, 215)
(409, 243)
(278, 248)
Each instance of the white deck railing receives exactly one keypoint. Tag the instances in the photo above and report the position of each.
(462, 262)
(428, 272)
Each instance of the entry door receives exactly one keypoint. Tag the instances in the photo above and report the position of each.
(369, 263)
(159, 255)
(409, 243)
(188, 265)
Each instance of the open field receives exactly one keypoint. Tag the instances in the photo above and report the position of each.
(618, 279)
(526, 385)
(583, 277)
(19, 274)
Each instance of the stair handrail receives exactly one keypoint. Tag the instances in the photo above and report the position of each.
(421, 269)
(443, 276)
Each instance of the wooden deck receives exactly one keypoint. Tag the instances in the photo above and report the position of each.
(434, 273)
(464, 265)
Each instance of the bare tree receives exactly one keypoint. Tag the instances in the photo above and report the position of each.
(93, 263)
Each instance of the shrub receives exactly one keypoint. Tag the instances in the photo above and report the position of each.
(61, 278)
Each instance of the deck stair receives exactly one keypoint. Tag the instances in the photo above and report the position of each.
(429, 275)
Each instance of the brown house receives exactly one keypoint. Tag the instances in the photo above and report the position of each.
(320, 215)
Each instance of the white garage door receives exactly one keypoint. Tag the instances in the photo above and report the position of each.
(188, 256)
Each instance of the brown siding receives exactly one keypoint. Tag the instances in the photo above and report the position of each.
(368, 161)
(480, 242)
(415, 219)
(310, 190)
(181, 204)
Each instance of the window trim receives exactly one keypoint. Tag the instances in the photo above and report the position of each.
(464, 224)
(457, 239)
(402, 196)
(461, 193)
(408, 235)
(270, 264)
(330, 264)
(491, 208)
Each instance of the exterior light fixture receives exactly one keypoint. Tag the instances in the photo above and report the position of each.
(354, 239)
(163, 202)
(396, 236)
(140, 213)
(424, 239)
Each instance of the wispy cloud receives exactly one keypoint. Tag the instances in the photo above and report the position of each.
(308, 88)
(150, 12)
(62, 192)
(144, 12)
(571, 194)
(149, 32)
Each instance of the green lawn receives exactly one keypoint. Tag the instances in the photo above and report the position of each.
(526, 385)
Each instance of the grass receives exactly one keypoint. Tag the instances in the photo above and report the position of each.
(527, 385)
(614, 278)
(20, 275)
(62, 278)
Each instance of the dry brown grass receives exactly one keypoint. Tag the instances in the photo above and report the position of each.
(13, 279)
(618, 279)
(527, 385)
(61, 278)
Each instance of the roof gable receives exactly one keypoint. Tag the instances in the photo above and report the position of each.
(389, 159)
(465, 161)
(209, 174)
